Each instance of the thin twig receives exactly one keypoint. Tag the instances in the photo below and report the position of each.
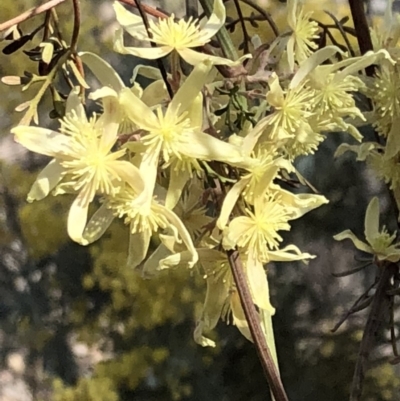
(340, 28)
(253, 321)
(362, 29)
(77, 25)
(147, 9)
(246, 37)
(160, 64)
(29, 14)
(374, 322)
(268, 18)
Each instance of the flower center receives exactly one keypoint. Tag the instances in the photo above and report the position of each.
(178, 35)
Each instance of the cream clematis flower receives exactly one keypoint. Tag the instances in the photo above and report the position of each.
(300, 43)
(176, 136)
(83, 162)
(257, 238)
(145, 219)
(178, 36)
(379, 242)
(113, 86)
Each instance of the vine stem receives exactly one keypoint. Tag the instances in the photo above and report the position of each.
(32, 12)
(160, 64)
(374, 322)
(77, 25)
(253, 321)
(362, 29)
(29, 14)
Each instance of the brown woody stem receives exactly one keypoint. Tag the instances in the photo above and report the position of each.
(253, 321)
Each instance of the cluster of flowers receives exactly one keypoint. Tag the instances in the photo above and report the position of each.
(150, 158)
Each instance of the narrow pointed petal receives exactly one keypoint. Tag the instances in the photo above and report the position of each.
(301, 204)
(372, 220)
(347, 234)
(219, 281)
(138, 247)
(206, 147)
(199, 338)
(267, 327)
(393, 140)
(312, 62)
(77, 218)
(41, 140)
(150, 53)
(290, 53)
(215, 22)
(193, 58)
(155, 93)
(182, 231)
(151, 266)
(74, 104)
(130, 174)
(47, 179)
(364, 61)
(195, 112)
(132, 23)
(190, 89)
(258, 284)
(98, 224)
(137, 111)
(230, 202)
(177, 182)
(239, 318)
(289, 253)
(102, 70)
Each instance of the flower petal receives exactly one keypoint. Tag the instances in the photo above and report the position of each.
(150, 53)
(137, 111)
(182, 231)
(258, 284)
(230, 202)
(309, 65)
(132, 23)
(300, 204)
(239, 318)
(74, 104)
(138, 247)
(289, 253)
(177, 181)
(190, 89)
(129, 173)
(47, 179)
(393, 140)
(348, 234)
(372, 220)
(199, 145)
(41, 140)
(102, 70)
(215, 22)
(193, 58)
(77, 218)
(98, 224)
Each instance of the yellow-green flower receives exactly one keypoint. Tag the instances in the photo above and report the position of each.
(176, 134)
(300, 43)
(379, 242)
(290, 110)
(113, 86)
(83, 161)
(144, 220)
(332, 86)
(181, 36)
